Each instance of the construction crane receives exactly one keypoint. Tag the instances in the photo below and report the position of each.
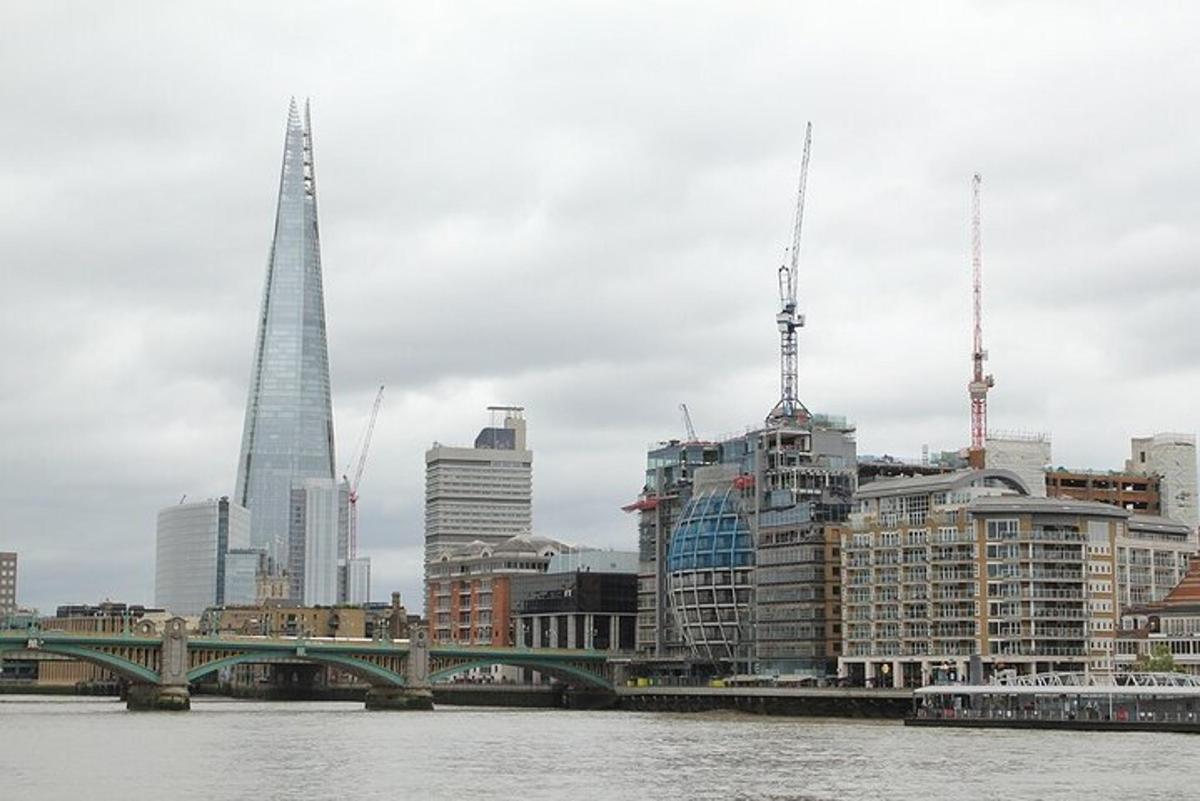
(359, 466)
(789, 407)
(687, 423)
(980, 383)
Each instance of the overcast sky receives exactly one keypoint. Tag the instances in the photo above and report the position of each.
(579, 208)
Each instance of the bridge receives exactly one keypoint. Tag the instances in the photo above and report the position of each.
(160, 667)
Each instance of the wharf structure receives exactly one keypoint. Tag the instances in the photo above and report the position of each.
(967, 574)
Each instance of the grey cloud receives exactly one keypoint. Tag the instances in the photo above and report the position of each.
(579, 209)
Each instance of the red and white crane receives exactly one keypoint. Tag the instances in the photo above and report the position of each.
(358, 473)
(980, 383)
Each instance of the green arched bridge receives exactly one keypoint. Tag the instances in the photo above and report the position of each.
(159, 667)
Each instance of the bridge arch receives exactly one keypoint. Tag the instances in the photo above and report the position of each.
(371, 673)
(570, 675)
(125, 668)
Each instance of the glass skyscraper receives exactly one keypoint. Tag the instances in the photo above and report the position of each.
(288, 433)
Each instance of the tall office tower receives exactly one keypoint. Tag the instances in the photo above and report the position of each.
(8, 583)
(288, 433)
(480, 493)
(193, 543)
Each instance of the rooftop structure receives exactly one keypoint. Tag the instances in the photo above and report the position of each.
(1136, 492)
(288, 432)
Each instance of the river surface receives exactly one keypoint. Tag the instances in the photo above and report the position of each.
(84, 748)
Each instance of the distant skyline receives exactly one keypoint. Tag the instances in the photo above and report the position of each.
(578, 210)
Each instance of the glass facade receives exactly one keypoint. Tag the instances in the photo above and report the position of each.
(288, 432)
(710, 568)
(711, 533)
(190, 570)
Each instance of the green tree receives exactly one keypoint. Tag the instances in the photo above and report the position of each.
(1159, 660)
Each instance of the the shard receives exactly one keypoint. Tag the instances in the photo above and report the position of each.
(288, 433)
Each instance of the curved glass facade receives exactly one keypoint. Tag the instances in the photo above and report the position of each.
(712, 532)
(710, 566)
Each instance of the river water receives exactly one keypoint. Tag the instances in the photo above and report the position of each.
(77, 748)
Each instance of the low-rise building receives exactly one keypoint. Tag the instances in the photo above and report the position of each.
(1171, 624)
(470, 591)
(285, 621)
(575, 609)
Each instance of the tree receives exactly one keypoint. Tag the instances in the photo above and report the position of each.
(1159, 660)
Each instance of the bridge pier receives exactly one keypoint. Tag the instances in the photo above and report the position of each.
(171, 692)
(155, 697)
(400, 698)
(416, 694)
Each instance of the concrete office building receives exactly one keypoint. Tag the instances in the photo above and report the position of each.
(8, 583)
(482, 493)
(192, 543)
(941, 570)
(469, 587)
(1172, 457)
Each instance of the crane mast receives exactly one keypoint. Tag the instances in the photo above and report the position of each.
(360, 466)
(789, 407)
(687, 422)
(980, 383)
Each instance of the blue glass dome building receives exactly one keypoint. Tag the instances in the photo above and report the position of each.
(710, 568)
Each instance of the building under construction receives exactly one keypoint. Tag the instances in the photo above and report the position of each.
(736, 564)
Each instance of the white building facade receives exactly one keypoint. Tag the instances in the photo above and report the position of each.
(192, 542)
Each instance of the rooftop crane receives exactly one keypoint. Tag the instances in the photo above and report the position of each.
(687, 423)
(978, 388)
(358, 472)
(789, 407)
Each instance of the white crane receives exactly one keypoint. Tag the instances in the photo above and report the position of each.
(789, 407)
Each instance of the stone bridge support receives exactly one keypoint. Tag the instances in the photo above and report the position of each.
(171, 692)
(416, 694)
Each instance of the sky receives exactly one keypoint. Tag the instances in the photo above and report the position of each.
(579, 208)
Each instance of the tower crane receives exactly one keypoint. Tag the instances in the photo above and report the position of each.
(978, 388)
(359, 466)
(789, 407)
(687, 422)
